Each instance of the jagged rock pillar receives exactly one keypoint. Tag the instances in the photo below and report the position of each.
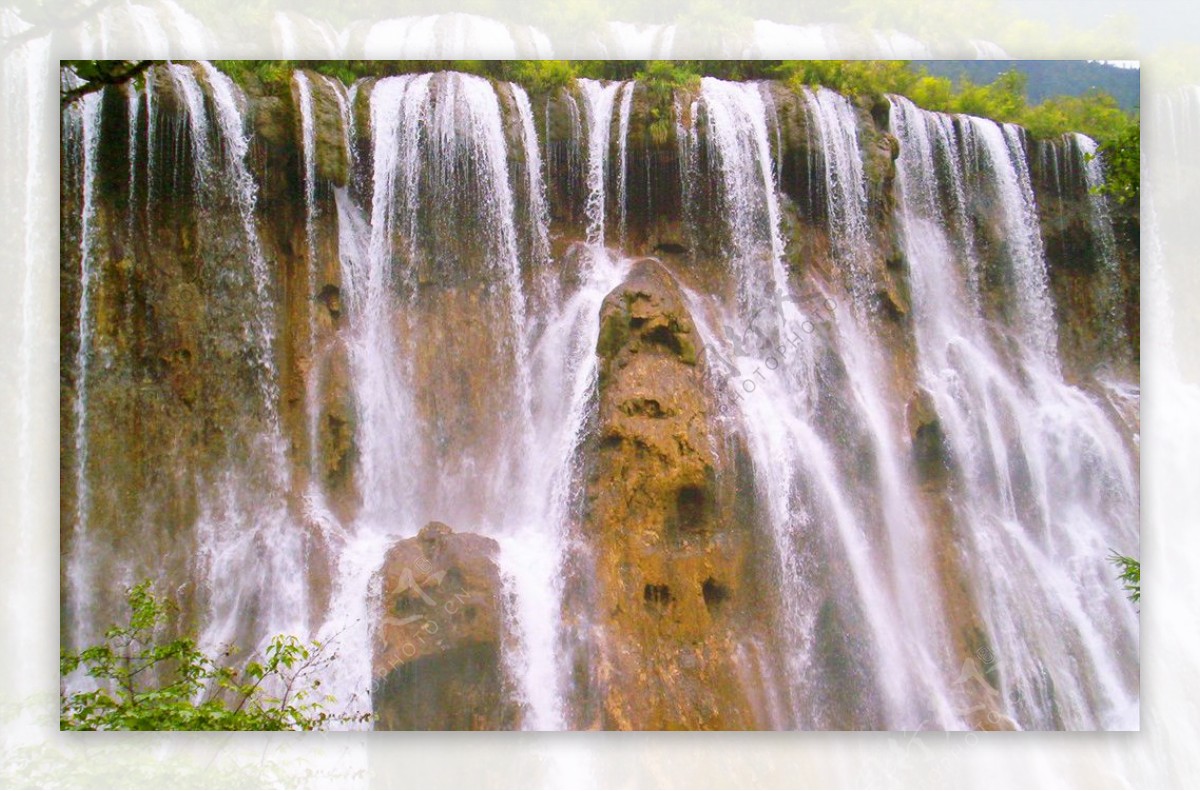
(674, 591)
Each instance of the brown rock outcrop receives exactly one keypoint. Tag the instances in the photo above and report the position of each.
(437, 663)
(674, 593)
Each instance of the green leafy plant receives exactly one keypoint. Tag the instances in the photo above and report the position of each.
(541, 76)
(1130, 576)
(146, 682)
(1122, 159)
(660, 79)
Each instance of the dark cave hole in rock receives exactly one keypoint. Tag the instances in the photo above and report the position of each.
(662, 336)
(331, 298)
(691, 504)
(715, 594)
(657, 597)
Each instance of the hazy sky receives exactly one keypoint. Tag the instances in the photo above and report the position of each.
(1161, 22)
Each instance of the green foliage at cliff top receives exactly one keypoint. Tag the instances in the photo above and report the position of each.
(1096, 114)
(145, 680)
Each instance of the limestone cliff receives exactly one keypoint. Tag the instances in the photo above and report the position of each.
(193, 393)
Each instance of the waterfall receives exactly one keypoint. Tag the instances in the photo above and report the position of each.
(133, 104)
(905, 541)
(462, 368)
(418, 125)
(415, 123)
(845, 188)
(816, 515)
(308, 150)
(599, 98)
(1004, 154)
(737, 134)
(1045, 475)
(622, 156)
(252, 557)
(245, 191)
(85, 125)
(540, 210)
(315, 294)
(184, 80)
(358, 549)
(954, 158)
(1092, 165)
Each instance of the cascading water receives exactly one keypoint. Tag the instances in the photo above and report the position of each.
(737, 134)
(308, 148)
(418, 127)
(599, 98)
(1102, 229)
(622, 157)
(846, 193)
(539, 212)
(251, 551)
(472, 374)
(803, 480)
(1004, 154)
(1047, 481)
(84, 123)
(133, 105)
(245, 190)
(955, 158)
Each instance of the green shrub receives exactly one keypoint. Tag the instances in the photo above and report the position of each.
(145, 682)
(1122, 159)
(541, 76)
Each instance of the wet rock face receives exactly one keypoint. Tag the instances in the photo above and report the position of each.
(173, 390)
(1098, 323)
(437, 663)
(930, 453)
(332, 158)
(673, 586)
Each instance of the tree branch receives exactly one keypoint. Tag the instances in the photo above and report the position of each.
(98, 82)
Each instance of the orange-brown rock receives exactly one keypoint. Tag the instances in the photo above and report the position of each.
(437, 663)
(674, 593)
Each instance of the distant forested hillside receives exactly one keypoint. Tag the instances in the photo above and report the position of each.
(1048, 78)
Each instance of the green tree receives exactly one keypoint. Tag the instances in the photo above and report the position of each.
(1122, 160)
(145, 682)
